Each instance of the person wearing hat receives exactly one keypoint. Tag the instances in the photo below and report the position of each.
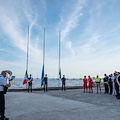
(30, 79)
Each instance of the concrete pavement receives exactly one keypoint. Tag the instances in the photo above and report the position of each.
(60, 105)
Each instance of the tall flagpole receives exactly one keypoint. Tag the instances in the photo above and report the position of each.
(59, 59)
(27, 49)
(27, 52)
(44, 49)
(42, 76)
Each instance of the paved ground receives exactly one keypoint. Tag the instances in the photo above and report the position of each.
(59, 105)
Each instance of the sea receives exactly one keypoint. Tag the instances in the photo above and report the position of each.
(17, 83)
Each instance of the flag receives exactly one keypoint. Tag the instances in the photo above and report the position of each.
(42, 76)
(25, 78)
(60, 73)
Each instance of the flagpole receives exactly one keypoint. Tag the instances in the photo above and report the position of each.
(42, 76)
(27, 52)
(27, 49)
(44, 48)
(59, 59)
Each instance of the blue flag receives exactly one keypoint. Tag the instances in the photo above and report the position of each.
(60, 73)
(42, 77)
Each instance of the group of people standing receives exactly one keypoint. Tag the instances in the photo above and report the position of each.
(46, 83)
(111, 84)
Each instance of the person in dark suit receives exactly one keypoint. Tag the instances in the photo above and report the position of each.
(106, 83)
(63, 82)
(45, 83)
(110, 84)
(118, 86)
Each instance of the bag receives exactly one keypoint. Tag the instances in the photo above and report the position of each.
(5, 89)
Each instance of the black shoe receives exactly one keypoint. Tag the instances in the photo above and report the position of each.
(6, 118)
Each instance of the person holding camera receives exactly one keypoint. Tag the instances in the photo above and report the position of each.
(3, 85)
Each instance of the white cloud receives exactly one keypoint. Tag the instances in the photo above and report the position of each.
(12, 27)
(89, 46)
(70, 20)
(4, 50)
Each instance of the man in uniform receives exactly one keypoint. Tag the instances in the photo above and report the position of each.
(63, 82)
(85, 84)
(98, 83)
(118, 86)
(90, 84)
(30, 79)
(3, 83)
(45, 83)
(105, 80)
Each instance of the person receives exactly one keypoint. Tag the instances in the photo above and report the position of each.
(98, 83)
(113, 84)
(3, 83)
(30, 79)
(90, 84)
(45, 82)
(85, 84)
(110, 84)
(118, 86)
(105, 80)
(63, 83)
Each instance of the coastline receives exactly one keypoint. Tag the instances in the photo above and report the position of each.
(49, 88)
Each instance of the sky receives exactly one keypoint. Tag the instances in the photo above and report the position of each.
(90, 37)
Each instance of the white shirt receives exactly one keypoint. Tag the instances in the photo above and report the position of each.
(3, 82)
(113, 78)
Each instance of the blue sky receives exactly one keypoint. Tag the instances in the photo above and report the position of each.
(90, 36)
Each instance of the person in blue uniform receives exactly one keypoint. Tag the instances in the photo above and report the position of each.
(30, 79)
(63, 82)
(45, 83)
(106, 83)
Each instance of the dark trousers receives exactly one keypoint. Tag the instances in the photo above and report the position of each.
(29, 87)
(45, 87)
(106, 88)
(63, 86)
(110, 86)
(2, 104)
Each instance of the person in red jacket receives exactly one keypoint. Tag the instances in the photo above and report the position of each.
(85, 84)
(90, 84)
